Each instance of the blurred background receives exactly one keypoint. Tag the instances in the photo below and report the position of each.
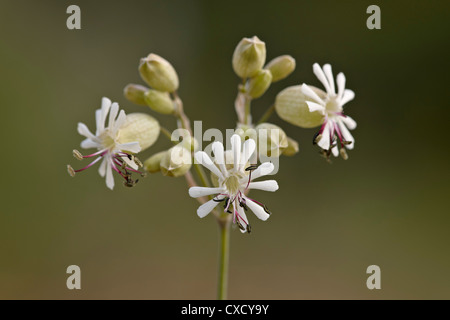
(387, 205)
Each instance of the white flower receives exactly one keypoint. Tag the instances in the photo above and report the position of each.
(116, 156)
(233, 181)
(334, 132)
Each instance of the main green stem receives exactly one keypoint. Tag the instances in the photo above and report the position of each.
(224, 251)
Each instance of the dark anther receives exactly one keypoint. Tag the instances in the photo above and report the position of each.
(252, 167)
(240, 225)
(243, 205)
(249, 229)
(267, 210)
(315, 137)
(219, 200)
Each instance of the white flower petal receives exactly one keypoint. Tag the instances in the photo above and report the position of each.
(236, 147)
(321, 76)
(335, 151)
(109, 176)
(349, 122)
(119, 122)
(324, 142)
(315, 107)
(242, 216)
(113, 114)
(268, 185)
(206, 161)
(106, 104)
(84, 131)
(263, 170)
(309, 93)
(98, 122)
(206, 208)
(257, 209)
(102, 168)
(329, 75)
(132, 147)
(217, 148)
(130, 163)
(347, 96)
(88, 143)
(196, 192)
(346, 134)
(340, 84)
(247, 151)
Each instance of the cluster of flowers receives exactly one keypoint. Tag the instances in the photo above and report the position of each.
(119, 137)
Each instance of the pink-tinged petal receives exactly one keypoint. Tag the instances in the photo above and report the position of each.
(206, 208)
(268, 185)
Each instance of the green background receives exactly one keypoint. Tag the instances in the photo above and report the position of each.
(387, 205)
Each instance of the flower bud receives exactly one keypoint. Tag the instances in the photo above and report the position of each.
(135, 93)
(176, 161)
(281, 67)
(290, 106)
(257, 85)
(152, 164)
(291, 149)
(272, 140)
(158, 73)
(249, 57)
(159, 101)
(139, 127)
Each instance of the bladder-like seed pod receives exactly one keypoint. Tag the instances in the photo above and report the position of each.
(139, 127)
